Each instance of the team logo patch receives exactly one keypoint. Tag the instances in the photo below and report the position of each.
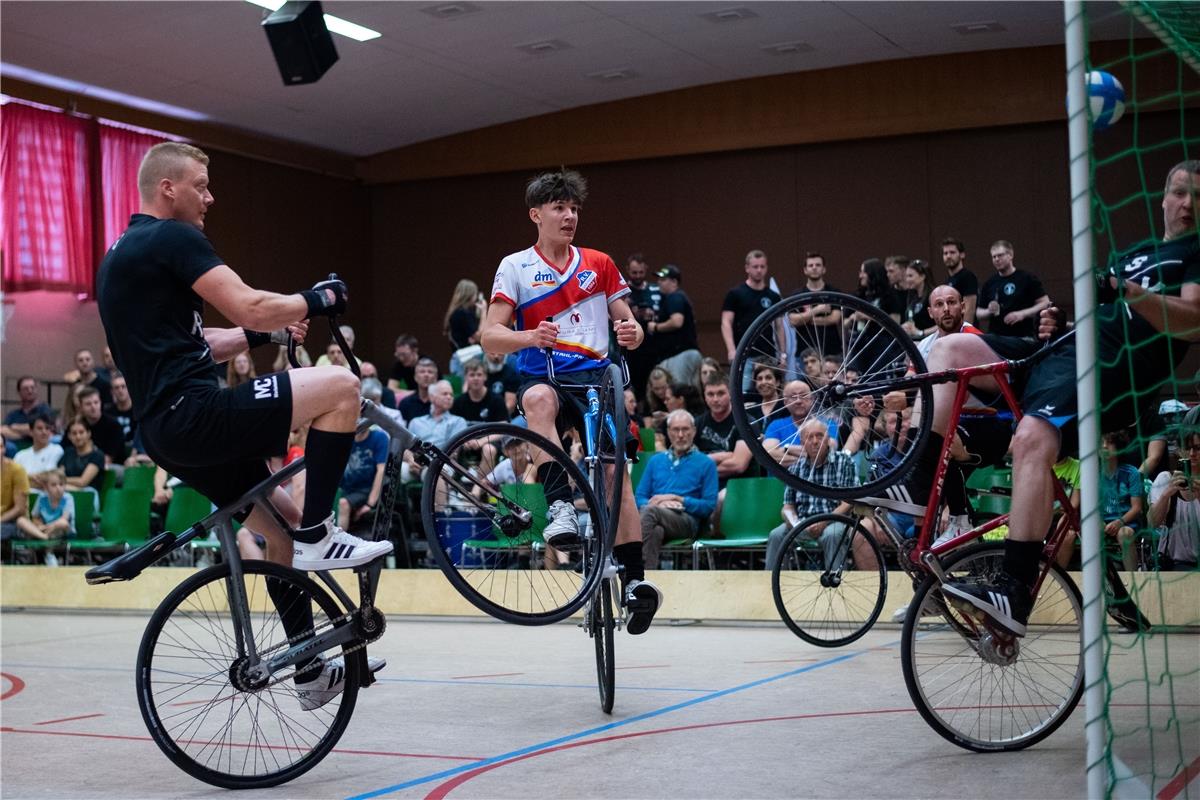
(266, 388)
(587, 280)
(542, 278)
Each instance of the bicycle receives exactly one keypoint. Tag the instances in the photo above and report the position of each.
(1031, 684)
(496, 571)
(216, 667)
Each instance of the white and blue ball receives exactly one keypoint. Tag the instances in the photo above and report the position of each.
(1106, 97)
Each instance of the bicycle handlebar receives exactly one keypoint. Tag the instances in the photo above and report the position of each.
(549, 353)
(351, 360)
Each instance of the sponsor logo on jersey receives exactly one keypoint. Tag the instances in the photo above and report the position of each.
(576, 318)
(587, 280)
(543, 278)
(265, 388)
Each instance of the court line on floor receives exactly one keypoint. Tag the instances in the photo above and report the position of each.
(17, 685)
(1180, 781)
(607, 727)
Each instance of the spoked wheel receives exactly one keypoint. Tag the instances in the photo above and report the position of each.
(990, 693)
(203, 710)
(875, 356)
(602, 623)
(484, 512)
(608, 472)
(829, 580)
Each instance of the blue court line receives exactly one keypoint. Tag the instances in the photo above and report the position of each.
(602, 728)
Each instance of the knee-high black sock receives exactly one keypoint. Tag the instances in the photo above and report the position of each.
(1021, 560)
(954, 489)
(325, 456)
(295, 612)
(554, 480)
(629, 555)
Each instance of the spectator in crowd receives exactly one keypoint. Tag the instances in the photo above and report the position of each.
(43, 455)
(782, 437)
(1122, 497)
(503, 380)
(644, 297)
(121, 410)
(873, 287)
(164, 489)
(517, 466)
(477, 403)
(810, 362)
(895, 267)
(1012, 299)
(239, 370)
(743, 303)
(817, 326)
(918, 279)
(85, 372)
(338, 359)
(402, 380)
(281, 363)
(372, 390)
(658, 388)
(825, 466)
(631, 412)
(82, 462)
(678, 490)
(387, 398)
(70, 409)
(461, 322)
(14, 502)
(362, 482)
(137, 451)
(416, 404)
(673, 330)
(709, 366)
(106, 431)
(685, 396)
(768, 405)
(437, 427)
(954, 253)
(717, 436)
(1175, 502)
(54, 512)
(16, 422)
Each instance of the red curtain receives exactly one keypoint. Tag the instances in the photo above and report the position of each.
(46, 232)
(121, 152)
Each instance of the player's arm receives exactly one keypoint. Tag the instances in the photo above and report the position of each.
(225, 343)
(629, 333)
(250, 308)
(498, 337)
(1177, 316)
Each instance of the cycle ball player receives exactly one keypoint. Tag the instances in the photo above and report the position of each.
(581, 290)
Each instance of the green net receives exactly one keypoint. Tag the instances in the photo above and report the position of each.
(1152, 677)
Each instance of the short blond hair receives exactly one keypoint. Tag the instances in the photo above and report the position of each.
(165, 160)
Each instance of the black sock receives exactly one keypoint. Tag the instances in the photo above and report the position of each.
(1021, 560)
(555, 482)
(325, 456)
(629, 555)
(954, 489)
(928, 459)
(295, 612)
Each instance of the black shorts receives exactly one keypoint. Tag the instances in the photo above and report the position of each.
(572, 403)
(218, 440)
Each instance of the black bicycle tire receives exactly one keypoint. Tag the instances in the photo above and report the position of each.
(603, 625)
(909, 635)
(612, 402)
(464, 587)
(751, 436)
(148, 708)
(853, 525)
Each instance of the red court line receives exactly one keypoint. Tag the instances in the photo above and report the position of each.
(17, 685)
(68, 719)
(493, 675)
(117, 737)
(1177, 784)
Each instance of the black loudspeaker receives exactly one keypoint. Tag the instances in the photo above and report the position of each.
(300, 41)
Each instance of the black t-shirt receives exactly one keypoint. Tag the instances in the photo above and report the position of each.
(74, 464)
(412, 407)
(1018, 291)
(894, 301)
(825, 339)
(151, 316)
(670, 343)
(109, 437)
(406, 375)
(649, 296)
(489, 409)
(965, 281)
(104, 387)
(463, 325)
(746, 304)
(504, 380)
(916, 311)
(126, 420)
(716, 437)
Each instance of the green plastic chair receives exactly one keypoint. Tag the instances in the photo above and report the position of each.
(107, 484)
(751, 510)
(187, 507)
(456, 383)
(987, 506)
(139, 477)
(124, 522)
(530, 496)
(636, 471)
(85, 513)
(648, 442)
(980, 480)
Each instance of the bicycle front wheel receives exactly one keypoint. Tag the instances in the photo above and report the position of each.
(608, 468)
(872, 354)
(829, 580)
(485, 511)
(190, 684)
(973, 691)
(602, 624)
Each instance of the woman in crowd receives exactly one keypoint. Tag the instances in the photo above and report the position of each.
(918, 280)
(708, 366)
(240, 370)
(769, 405)
(658, 388)
(82, 462)
(1175, 502)
(461, 322)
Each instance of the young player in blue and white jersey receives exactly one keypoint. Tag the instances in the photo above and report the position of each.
(581, 291)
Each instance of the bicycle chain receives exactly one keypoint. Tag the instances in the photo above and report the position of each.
(333, 622)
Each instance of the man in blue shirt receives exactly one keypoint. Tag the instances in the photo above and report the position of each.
(362, 482)
(678, 491)
(782, 437)
(16, 422)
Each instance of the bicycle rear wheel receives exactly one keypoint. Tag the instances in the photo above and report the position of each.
(189, 686)
(876, 354)
(973, 693)
(602, 624)
(484, 512)
(829, 604)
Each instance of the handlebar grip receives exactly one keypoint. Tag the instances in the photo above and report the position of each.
(291, 353)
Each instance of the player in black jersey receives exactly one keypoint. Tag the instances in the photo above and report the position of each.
(1149, 316)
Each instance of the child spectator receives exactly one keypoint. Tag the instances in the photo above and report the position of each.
(54, 512)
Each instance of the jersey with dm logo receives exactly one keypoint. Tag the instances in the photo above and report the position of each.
(576, 298)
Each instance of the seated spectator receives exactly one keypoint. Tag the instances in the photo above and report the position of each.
(164, 490)
(477, 403)
(82, 462)
(687, 397)
(362, 482)
(85, 373)
(461, 322)
(416, 403)
(122, 411)
(1122, 497)
(43, 456)
(239, 370)
(1175, 502)
(503, 380)
(678, 490)
(106, 431)
(372, 390)
(137, 452)
(14, 503)
(673, 330)
(387, 398)
(402, 379)
(70, 409)
(782, 437)
(768, 404)
(716, 434)
(329, 358)
(810, 360)
(517, 466)
(708, 366)
(658, 387)
(823, 465)
(16, 422)
(437, 427)
(282, 364)
(54, 512)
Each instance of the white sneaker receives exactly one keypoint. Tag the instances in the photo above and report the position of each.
(956, 525)
(899, 615)
(319, 690)
(50, 559)
(563, 528)
(336, 550)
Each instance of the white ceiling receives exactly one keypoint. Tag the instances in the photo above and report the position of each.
(429, 77)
